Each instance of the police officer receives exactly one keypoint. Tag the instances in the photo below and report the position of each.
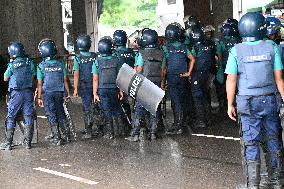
(20, 73)
(151, 63)
(190, 22)
(105, 71)
(52, 78)
(230, 37)
(254, 68)
(179, 66)
(83, 78)
(204, 51)
(124, 55)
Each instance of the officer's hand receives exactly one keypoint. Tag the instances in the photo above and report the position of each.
(96, 98)
(163, 87)
(67, 98)
(120, 95)
(40, 103)
(232, 113)
(187, 74)
(75, 93)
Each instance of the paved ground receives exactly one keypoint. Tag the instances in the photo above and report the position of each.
(178, 162)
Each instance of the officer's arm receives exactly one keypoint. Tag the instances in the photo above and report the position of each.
(95, 84)
(8, 73)
(76, 80)
(191, 63)
(39, 89)
(6, 78)
(66, 85)
(231, 84)
(279, 82)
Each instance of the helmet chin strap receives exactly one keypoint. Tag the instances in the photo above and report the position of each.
(250, 39)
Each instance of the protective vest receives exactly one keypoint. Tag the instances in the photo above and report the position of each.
(152, 59)
(22, 75)
(85, 69)
(177, 62)
(53, 76)
(205, 56)
(108, 70)
(255, 69)
(126, 56)
(228, 43)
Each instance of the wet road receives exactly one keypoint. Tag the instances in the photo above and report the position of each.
(176, 162)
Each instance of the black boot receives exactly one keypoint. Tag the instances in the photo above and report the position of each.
(252, 176)
(180, 128)
(28, 136)
(200, 114)
(7, 145)
(66, 134)
(88, 125)
(57, 141)
(134, 137)
(173, 129)
(109, 130)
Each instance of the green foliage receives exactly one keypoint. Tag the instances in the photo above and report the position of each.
(129, 13)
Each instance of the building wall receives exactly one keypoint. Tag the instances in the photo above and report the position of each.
(78, 18)
(30, 21)
(221, 10)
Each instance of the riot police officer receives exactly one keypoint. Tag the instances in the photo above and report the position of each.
(52, 79)
(204, 51)
(83, 79)
(124, 55)
(179, 66)
(254, 68)
(230, 37)
(20, 73)
(105, 71)
(190, 22)
(151, 63)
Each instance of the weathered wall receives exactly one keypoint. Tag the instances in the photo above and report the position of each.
(29, 21)
(78, 18)
(221, 10)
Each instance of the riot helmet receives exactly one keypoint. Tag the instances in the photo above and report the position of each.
(231, 21)
(191, 21)
(229, 30)
(173, 32)
(47, 48)
(84, 43)
(149, 38)
(274, 26)
(16, 49)
(105, 46)
(197, 36)
(252, 26)
(120, 38)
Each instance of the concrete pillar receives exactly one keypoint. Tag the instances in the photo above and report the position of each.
(30, 21)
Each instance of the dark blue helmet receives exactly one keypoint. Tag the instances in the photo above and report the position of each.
(191, 21)
(173, 32)
(105, 46)
(84, 43)
(197, 36)
(252, 26)
(231, 21)
(120, 38)
(149, 38)
(229, 30)
(16, 49)
(47, 48)
(274, 26)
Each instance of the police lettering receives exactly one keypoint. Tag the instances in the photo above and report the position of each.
(88, 60)
(52, 69)
(16, 65)
(257, 58)
(134, 86)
